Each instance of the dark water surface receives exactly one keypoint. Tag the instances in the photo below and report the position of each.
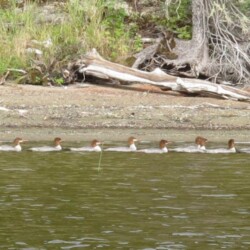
(62, 200)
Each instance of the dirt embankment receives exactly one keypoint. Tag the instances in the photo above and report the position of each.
(83, 112)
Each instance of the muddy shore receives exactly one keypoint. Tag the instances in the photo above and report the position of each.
(81, 112)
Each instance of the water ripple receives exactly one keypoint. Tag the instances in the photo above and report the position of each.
(228, 236)
(174, 201)
(63, 242)
(76, 246)
(188, 234)
(219, 195)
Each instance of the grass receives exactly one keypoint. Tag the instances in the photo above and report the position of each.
(88, 24)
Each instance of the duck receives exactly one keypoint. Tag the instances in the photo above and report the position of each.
(201, 141)
(94, 147)
(131, 146)
(162, 148)
(16, 145)
(231, 146)
(230, 149)
(200, 146)
(57, 146)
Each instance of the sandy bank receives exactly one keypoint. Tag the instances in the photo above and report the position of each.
(83, 112)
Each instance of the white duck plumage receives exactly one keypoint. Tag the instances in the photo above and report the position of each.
(57, 146)
(94, 147)
(131, 146)
(231, 149)
(162, 148)
(200, 148)
(16, 145)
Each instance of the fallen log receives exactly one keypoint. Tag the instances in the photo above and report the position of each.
(94, 65)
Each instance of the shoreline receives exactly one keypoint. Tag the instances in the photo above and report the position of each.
(112, 135)
(82, 112)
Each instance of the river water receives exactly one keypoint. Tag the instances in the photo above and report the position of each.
(66, 200)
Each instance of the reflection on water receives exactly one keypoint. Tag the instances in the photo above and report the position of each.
(62, 200)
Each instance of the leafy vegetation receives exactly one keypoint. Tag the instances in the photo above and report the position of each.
(42, 47)
(117, 31)
(244, 6)
(32, 43)
(178, 18)
(27, 38)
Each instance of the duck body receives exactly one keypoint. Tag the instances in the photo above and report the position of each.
(200, 148)
(57, 146)
(162, 148)
(131, 146)
(231, 149)
(154, 150)
(46, 148)
(190, 149)
(87, 149)
(94, 147)
(16, 146)
(221, 151)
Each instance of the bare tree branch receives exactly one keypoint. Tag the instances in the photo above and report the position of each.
(220, 45)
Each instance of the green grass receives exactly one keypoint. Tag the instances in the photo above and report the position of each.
(86, 27)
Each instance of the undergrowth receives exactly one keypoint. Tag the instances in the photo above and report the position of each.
(26, 39)
(178, 18)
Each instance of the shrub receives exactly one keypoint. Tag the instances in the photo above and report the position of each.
(88, 24)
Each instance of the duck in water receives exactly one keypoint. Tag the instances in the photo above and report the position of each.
(130, 148)
(230, 148)
(94, 147)
(199, 141)
(16, 145)
(57, 146)
(162, 148)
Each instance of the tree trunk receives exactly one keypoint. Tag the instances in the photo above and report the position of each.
(199, 42)
(218, 50)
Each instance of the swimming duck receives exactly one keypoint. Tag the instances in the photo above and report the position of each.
(131, 146)
(162, 148)
(199, 141)
(57, 146)
(230, 149)
(16, 145)
(94, 147)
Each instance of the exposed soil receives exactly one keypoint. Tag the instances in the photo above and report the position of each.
(83, 112)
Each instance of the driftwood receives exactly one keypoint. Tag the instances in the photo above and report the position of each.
(94, 65)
